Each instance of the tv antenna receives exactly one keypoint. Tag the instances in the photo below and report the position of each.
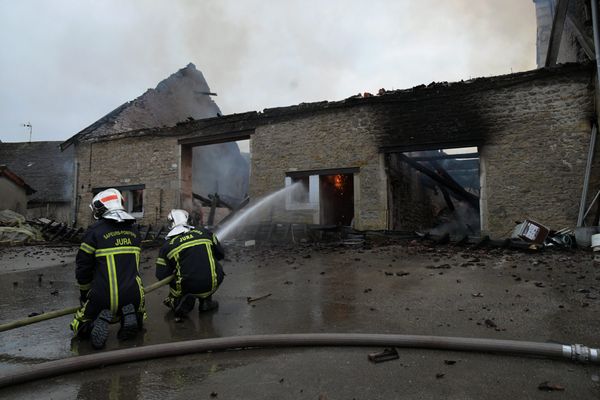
(28, 125)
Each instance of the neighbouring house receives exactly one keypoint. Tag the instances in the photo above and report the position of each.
(50, 171)
(14, 191)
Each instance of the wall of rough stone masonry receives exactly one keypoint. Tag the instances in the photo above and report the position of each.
(152, 161)
(533, 164)
(337, 138)
(532, 130)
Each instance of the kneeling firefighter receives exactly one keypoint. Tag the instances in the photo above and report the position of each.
(107, 271)
(191, 255)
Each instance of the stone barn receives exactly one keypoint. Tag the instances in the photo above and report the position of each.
(529, 135)
(484, 153)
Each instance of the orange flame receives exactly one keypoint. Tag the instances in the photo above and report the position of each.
(338, 181)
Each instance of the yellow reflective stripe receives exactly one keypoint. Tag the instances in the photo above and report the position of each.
(161, 261)
(87, 248)
(191, 243)
(87, 286)
(213, 271)
(142, 307)
(178, 277)
(118, 250)
(113, 284)
(79, 317)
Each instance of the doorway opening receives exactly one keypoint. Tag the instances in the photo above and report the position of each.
(436, 191)
(337, 199)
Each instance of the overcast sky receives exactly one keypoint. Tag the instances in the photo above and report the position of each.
(66, 63)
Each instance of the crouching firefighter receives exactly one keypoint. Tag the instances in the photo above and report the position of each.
(191, 255)
(107, 271)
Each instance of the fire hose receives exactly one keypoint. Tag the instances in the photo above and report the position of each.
(59, 313)
(575, 352)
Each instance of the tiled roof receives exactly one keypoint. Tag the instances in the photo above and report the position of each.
(43, 166)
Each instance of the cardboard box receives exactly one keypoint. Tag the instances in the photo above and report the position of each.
(531, 231)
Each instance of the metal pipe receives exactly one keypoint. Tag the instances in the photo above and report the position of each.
(49, 369)
(586, 177)
(596, 36)
(59, 313)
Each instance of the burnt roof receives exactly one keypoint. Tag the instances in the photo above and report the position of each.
(183, 96)
(250, 120)
(44, 166)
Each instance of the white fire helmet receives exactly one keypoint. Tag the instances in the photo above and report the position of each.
(106, 201)
(178, 217)
(178, 222)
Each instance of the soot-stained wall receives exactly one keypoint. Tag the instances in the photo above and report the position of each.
(532, 130)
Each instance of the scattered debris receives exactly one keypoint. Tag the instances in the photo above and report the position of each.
(490, 324)
(439, 375)
(253, 299)
(550, 387)
(386, 355)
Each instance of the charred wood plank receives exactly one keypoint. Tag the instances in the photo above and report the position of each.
(213, 208)
(481, 242)
(147, 232)
(59, 233)
(444, 239)
(243, 204)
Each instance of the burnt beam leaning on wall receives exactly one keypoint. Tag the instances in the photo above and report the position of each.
(207, 202)
(558, 24)
(234, 211)
(586, 43)
(458, 190)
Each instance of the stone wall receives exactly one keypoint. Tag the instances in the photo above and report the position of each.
(334, 139)
(149, 161)
(534, 162)
(532, 130)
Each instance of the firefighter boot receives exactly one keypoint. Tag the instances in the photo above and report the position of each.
(99, 332)
(129, 323)
(185, 305)
(208, 304)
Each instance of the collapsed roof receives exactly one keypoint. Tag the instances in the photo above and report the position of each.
(183, 96)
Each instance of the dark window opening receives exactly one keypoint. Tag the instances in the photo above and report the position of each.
(300, 195)
(133, 196)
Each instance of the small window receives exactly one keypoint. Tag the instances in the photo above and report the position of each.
(134, 201)
(133, 195)
(300, 194)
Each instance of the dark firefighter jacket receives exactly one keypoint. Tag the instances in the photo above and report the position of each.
(108, 264)
(192, 256)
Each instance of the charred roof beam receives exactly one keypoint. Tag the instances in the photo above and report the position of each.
(454, 187)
